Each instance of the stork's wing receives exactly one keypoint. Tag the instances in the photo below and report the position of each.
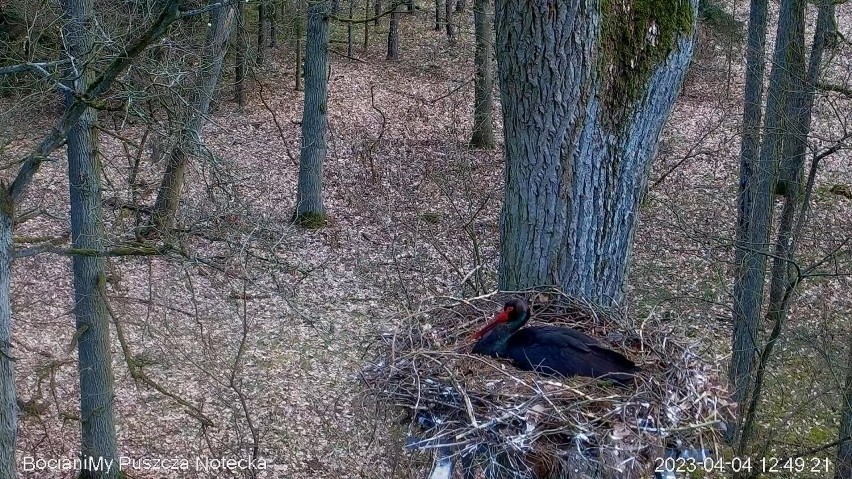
(553, 350)
(551, 336)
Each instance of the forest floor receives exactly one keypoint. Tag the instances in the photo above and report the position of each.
(266, 325)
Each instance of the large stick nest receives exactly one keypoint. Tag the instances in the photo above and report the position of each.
(537, 426)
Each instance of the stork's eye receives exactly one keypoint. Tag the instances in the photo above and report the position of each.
(509, 309)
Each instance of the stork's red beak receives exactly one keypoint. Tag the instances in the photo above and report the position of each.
(500, 318)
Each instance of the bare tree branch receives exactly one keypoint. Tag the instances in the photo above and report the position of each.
(38, 66)
(97, 88)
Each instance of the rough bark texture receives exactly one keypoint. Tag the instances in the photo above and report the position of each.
(97, 417)
(309, 203)
(753, 203)
(483, 103)
(582, 112)
(186, 141)
(437, 15)
(393, 35)
(8, 403)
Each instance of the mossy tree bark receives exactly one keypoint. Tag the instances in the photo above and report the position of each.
(186, 141)
(585, 92)
(97, 396)
(483, 88)
(310, 210)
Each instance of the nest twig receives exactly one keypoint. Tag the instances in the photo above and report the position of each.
(482, 406)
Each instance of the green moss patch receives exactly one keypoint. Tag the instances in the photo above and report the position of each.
(432, 218)
(311, 221)
(636, 36)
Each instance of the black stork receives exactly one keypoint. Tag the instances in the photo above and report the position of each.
(549, 349)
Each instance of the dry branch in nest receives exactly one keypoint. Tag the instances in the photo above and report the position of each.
(539, 426)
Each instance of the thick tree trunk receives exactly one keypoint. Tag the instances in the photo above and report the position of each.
(377, 10)
(483, 103)
(393, 35)
(187, 140)
(95, 358)
(437, 15)
(582, 114)
(752, 225)
(8, 403)
(310, 211)
(97, 416)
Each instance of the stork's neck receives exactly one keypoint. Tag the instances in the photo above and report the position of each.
(517, 320)
(494, 342)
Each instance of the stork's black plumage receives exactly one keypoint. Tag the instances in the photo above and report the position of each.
(548, 349)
